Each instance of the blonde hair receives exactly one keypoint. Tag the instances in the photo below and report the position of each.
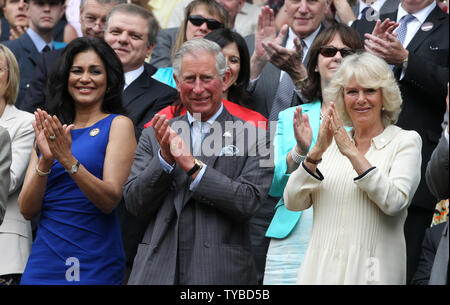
(369, 71)
(12, 85)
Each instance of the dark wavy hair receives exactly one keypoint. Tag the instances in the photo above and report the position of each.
(311, 90)
(62, 104)
(237, 92)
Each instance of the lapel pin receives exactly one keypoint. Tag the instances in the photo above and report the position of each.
(94, 132)
(427, 26)
(227, 134)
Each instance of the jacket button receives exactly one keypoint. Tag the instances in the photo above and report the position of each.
(206, 244)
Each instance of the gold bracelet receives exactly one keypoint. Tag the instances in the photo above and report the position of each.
(41, 173)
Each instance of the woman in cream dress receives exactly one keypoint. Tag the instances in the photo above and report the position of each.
(360, 183)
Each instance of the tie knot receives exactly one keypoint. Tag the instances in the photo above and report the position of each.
(46, 49)
(407, 18)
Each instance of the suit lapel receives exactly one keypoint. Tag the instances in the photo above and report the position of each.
(420, 36)
(30, 48)
(135, 89)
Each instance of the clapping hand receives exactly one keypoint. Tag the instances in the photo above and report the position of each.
(302, 131)
(343, 142)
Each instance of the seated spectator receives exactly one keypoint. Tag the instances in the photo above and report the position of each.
(243, 15)
(83, 154)
(200, 18)
(15, 232)
(357, 235)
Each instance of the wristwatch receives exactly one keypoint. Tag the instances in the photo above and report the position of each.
(74, 168)
(197, 166)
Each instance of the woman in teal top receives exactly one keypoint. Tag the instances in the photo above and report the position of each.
(297, 131)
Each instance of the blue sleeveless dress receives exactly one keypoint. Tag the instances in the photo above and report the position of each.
(76, 243)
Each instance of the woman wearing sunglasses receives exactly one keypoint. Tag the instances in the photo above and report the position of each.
(297, 131)
(200, 18)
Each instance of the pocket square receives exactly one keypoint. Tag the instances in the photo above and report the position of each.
(230, 150)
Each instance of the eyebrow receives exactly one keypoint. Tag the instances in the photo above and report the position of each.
(91, 66)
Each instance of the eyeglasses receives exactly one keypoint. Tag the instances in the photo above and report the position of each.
(330, 51)
(2, 69)
(91, 22)
(198, 20)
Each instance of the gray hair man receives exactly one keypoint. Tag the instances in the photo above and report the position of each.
(197, 208)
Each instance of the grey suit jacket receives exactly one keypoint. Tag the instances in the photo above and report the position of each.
(200, 236)
(439, 271)
(163, 48)
(437, 173)
(5, 163)
(388, 7)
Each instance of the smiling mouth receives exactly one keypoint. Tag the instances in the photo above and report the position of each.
(85, 90)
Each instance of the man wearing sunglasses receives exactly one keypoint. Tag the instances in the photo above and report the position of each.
(416, 44)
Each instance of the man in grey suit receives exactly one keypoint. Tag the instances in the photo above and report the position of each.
(5, 163)
(198, 208)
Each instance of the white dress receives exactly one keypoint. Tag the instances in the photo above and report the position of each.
(357, 235)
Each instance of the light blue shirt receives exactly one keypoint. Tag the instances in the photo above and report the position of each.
(196, 134)
(38, 42)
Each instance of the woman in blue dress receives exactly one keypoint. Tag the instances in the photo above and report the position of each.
(82, 157)
(296, 133)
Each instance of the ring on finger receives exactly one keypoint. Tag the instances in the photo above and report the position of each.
(52, 137)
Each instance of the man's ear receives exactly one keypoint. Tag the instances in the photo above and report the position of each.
(176, 82)
(226, 79)
(150, 50)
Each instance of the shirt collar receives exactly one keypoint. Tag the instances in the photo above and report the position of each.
(308, 40)
(191, 119)
(420, 15)
(38, 42)
(131, 76)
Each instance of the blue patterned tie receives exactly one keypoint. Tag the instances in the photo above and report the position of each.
(402, 29)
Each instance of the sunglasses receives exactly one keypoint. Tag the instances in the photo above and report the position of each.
(212, 24)
(330, 51)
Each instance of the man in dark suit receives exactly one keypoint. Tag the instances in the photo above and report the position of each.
(198, 208)
(92, 18)
(419, 53)
(131, 31)
(43, 16)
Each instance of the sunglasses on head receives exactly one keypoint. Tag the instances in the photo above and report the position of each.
(330, 51)
(212, 24)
